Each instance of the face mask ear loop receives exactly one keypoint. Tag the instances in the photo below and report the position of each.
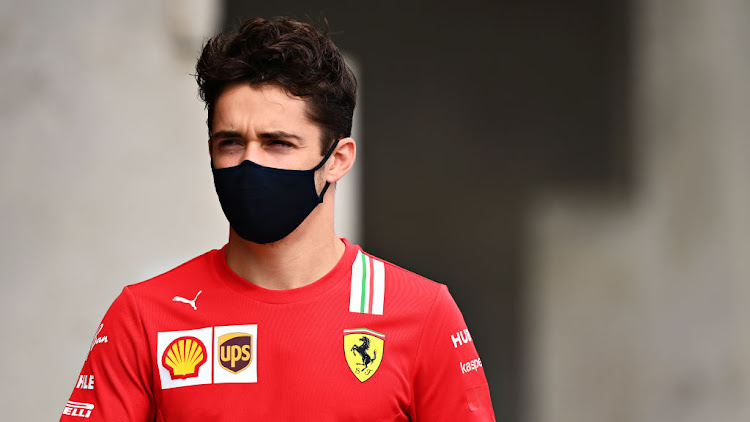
(328, 155)
(323, 192)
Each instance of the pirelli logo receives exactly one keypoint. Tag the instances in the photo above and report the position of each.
(78, 409)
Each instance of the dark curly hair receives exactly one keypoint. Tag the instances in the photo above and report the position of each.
(293, 55)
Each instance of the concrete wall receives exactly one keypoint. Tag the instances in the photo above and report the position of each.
(105, 176)
(639, 305)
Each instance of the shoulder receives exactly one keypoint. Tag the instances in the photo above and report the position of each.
(181, 278)
(400, 275)
(404, 289)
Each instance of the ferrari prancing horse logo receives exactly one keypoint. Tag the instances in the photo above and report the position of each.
(363, 349)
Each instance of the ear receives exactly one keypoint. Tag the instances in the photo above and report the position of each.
(210, 148)
(341, 160)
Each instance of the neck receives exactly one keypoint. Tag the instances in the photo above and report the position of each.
(299, 259)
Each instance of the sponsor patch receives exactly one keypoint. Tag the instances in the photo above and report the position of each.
(236, 347)
(363, 350)
(81, 410)
(210, 355)
(97, 339)
(190, 302)
(472, 365)
(235, 351)
(182, 355)
(85, 382)
(461, 338)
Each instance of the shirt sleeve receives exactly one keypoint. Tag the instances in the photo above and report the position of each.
(115, 382)
(449, 380)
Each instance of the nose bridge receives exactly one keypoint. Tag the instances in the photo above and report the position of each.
(254, 151)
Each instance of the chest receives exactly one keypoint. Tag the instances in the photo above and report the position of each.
(307, 362)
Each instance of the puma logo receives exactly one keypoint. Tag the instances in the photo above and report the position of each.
(189, 302)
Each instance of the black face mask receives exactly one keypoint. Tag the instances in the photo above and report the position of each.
(265, 204)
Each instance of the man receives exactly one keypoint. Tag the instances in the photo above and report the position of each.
(287, 321)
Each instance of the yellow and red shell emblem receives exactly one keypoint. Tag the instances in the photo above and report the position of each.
(183, 357)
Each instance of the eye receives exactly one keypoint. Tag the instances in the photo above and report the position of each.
(229, 143)
(278, 143)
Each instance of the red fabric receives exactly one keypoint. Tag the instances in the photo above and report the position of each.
(429, 370)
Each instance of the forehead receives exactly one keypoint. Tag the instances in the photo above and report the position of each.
(244, 106)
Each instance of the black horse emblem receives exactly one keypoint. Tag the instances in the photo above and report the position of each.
(362, 350)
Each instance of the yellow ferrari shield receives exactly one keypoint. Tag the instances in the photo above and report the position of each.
(363, 349)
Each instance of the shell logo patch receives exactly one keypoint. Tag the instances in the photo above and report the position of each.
(363, 349)
(235, 351)
(184, 357)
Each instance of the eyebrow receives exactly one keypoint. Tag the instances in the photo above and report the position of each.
(278, 134)
(226, 134)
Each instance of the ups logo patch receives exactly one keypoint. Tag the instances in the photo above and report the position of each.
(235, 351)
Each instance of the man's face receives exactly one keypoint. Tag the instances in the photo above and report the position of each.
(263, 124)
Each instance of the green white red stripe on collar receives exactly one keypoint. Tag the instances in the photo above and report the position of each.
(368, 285)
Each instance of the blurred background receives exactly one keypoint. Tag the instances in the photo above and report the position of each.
(576, 172)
